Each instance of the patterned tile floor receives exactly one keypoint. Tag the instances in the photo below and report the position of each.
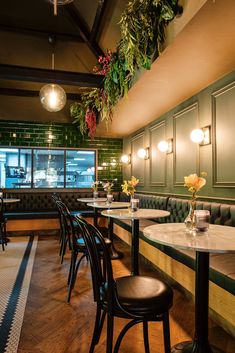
(16, 264)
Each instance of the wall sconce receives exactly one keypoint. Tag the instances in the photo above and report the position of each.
(143, 153)
(126, 158)
(201, 136)
(166, 146)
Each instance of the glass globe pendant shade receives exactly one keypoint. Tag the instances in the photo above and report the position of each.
(52, 97)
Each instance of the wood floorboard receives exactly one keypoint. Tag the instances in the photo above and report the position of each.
(53, 326)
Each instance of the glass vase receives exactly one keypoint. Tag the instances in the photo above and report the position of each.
(190, 219)
(109, 198)
(134, 204)
(95, 194)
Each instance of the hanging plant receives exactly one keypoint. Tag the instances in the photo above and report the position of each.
(90, 119)
(142, 36)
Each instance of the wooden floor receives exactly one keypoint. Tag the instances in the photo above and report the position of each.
(53, 326)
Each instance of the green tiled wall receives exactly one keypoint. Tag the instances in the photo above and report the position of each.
(14, 133)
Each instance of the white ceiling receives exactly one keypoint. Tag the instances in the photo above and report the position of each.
(201, 53)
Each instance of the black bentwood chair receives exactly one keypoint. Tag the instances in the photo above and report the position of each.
(3, 221)
(72, 236)
(138, 298)
(56, 197)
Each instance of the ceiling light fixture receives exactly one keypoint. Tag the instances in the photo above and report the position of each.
(52, 96)
(58, 3)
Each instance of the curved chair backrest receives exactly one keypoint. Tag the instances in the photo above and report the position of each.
(101, 267)
(56, 197)
(69, 222)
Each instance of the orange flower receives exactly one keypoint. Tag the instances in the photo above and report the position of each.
(194, 183)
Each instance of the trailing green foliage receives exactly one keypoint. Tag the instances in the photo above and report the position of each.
(142, 36)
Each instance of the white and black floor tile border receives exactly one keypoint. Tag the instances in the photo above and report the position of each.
(12, 318)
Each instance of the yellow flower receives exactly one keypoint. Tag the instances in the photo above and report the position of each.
(95, 185)
(194, 183)
(128, 187)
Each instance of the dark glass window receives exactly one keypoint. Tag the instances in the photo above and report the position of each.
(15, 167)
(80, 168)
(48, 168)
(52, 168)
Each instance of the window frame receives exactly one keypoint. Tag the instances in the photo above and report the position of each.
(64, 149)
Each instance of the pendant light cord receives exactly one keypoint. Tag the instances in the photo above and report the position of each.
(53, 61)
(55, 7)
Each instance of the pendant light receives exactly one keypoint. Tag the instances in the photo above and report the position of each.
(58, 3)
(52, 96)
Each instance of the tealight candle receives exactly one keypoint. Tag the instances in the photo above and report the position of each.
(202, 220)
(109, 198)
(134, 204)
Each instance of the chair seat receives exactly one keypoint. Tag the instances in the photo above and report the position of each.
(81, 242)
(143, 295)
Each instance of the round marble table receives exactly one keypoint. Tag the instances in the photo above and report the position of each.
(92, 199)
(114, 254)
(7, 200)
(218, 239)
(141, 213)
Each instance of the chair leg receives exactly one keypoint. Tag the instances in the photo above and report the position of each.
(99, 321)
(2, 238)
(166, 333)
(124, 331)
(109, 343)
(63, 250)
(146, 336)
(77, 267)
(5, 233)
(71, 275)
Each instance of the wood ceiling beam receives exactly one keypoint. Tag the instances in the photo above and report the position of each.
(14, 92)
(98, 18)
(82, 26)
(39, 33)
(20, 73)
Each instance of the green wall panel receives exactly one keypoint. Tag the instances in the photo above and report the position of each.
(212, 106)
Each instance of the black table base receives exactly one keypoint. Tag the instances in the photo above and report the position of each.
(200, 344)
(114, 254)
(194, 347)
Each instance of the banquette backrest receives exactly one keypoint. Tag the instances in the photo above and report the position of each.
(223, 214)
(42, 201)
(152, 201)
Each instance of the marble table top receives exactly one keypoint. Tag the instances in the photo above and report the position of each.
(10, 200)
(92, 199)
(218, 239)
(104, 205)
(139, 214)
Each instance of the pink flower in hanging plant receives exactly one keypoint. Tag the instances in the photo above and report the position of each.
(102, 66)
(90, 119)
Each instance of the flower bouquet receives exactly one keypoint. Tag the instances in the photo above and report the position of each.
(107, 185)
(128, 187)
(194, 183)
(95, 186)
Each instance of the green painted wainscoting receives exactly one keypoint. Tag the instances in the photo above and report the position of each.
(164, 173)
(24, 134)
